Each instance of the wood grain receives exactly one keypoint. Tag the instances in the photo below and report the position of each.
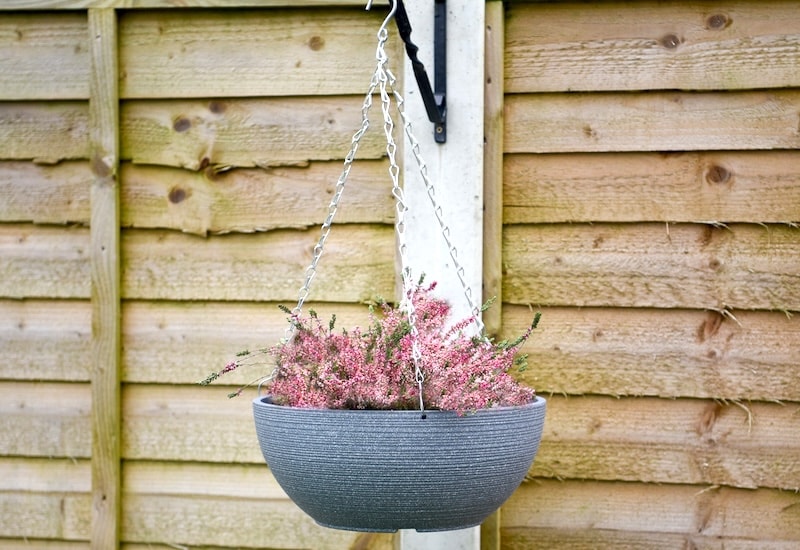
(653, 265)
(195, 134)
(188, 424)
(740, 186)
(636, 439)
(44, 56)
(247, 200)
(666, 353)
(649, 45)
(32, 516)
(167, 342)
(260, 266)
(45, 419)
(614, 513)
(654, 121)
(747, 445)
(493, 162)
(46, 194)
(105, 276)
(45, 340)
(45, 132)
(149, 4)
(44, 261)
(249, 53)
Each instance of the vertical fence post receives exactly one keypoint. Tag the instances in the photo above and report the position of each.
(105, 279)
(456, 170)
(493, 165)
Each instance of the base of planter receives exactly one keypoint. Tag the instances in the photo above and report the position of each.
(390, 470)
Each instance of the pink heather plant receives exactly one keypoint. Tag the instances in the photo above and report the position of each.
(374, 368)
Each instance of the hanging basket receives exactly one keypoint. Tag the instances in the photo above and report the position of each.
(387, 470)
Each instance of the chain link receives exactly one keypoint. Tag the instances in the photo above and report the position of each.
(383, 80)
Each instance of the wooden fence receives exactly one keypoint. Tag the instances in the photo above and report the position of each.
(162, 176)
(651, 186)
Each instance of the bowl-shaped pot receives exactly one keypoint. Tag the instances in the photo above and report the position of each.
(389, 470)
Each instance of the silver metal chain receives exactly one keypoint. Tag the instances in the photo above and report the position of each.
(383, 80)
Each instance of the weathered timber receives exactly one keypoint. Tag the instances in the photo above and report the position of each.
(33, 516)
(168, 342)
(188, 423)
(44, 261)
(612, 511)
(357, 266)
(44, 544)
(247, 200)
(665, 353)
(747, 445)
(493, 170)
(149, 4)
(45, 340)
(568, 538)
(44, 132)
(663, 441)
(248, 53)
(45, 194)
(105, 277)
(652, 45)
(227, 521)
(743, 186)
(655, 121)
(741, 266)
(253, 481)
(195, 134)
(45, 419)
(67, 475)
(44, 56)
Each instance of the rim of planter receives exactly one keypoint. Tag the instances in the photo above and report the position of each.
(384, 470)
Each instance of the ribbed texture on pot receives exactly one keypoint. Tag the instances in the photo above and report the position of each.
(389, 470)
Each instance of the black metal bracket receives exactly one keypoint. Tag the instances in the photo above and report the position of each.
(435, 100)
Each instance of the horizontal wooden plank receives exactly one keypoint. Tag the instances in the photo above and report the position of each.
(195, 134)
(747, 445)
(47, 194)
(666, 353)
(612, 511)
(741, 186)
(188, 423)
(148, 4)
(611, 539)
(253, 481)
(252, 199)
(739, 266)
(357, 265)
(46, 132)
(45, 475)
(45, 340)
(655, 121)
(44, 56)
(184, 521)
(248, 53)
(183, 342)
(641, 439)
(566, 46)
(44, 261)
(42, 544)
(45, 419)
(35, 516)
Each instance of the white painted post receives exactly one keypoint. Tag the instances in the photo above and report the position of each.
(456, 170)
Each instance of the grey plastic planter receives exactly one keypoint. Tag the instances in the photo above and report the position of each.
(389, 470)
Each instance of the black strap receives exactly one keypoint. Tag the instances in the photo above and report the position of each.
(435, 105)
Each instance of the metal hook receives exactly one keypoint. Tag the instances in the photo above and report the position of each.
(389, 17)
